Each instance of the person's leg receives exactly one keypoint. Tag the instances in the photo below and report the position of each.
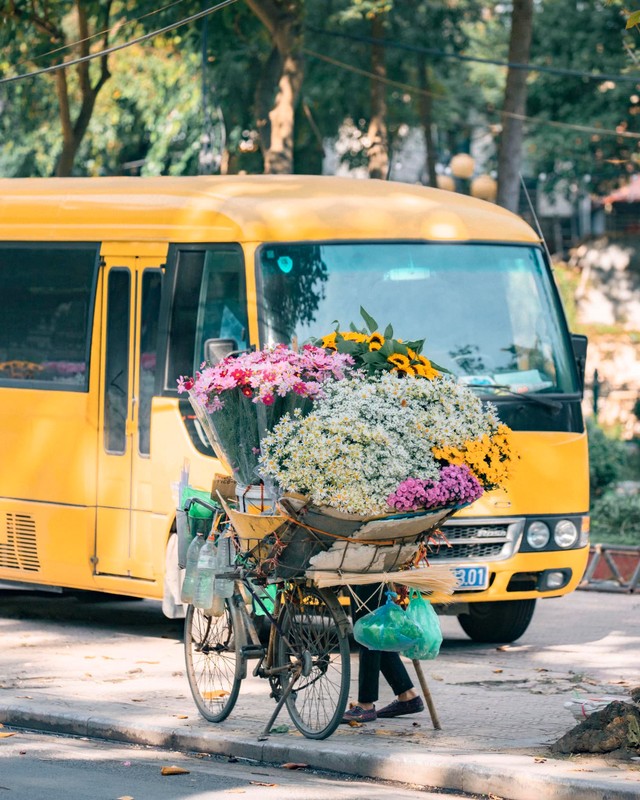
(396, 675)
(367, 599)
(368, 676)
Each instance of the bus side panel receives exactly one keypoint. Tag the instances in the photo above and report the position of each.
(48, 446)
(46, 544)
(170, 446)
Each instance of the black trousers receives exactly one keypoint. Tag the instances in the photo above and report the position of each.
(373, 662)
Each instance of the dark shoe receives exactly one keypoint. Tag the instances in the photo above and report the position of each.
(359, 714)
(401, 707)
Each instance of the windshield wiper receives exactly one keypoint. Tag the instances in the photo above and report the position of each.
(548, 402)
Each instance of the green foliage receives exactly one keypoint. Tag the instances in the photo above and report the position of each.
(608, 460)
(567, 280)
(615, 519)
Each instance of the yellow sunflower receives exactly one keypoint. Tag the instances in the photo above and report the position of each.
(399, 361)
(376, 340)
(329, 341)
(404, 370)
(352, 336)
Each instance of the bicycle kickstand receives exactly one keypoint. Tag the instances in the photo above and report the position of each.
(267, 730)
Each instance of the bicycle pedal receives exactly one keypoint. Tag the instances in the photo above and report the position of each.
(252, 651)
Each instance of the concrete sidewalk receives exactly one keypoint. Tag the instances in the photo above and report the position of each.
(116, 671)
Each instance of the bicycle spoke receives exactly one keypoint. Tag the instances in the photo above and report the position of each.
(211, 657)
(315, 643)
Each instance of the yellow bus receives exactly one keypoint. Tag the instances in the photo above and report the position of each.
(113, 287)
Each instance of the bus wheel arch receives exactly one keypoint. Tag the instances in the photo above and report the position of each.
(498, 622)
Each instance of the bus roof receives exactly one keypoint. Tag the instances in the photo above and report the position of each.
(245, 208)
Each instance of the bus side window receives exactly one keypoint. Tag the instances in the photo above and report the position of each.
(222, 310)
(48, 292)
(209, 302)
(149, 316)
(116, 388)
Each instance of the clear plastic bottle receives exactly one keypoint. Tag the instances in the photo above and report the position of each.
(205, 575)
(217, 607)
(191, 568)
(223, 585)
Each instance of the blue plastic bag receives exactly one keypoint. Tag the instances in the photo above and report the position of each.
(387, 628)
(420, 611)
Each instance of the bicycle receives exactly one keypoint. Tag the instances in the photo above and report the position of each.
(306, 658)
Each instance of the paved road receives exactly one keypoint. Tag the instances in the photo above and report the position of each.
(38, 767)
(117, 667)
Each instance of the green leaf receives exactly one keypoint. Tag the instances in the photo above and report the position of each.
(400, 347)
(370, 321)
(417, 345)
(633, 20)
(388, 332)
(439, 368)
(373, 357)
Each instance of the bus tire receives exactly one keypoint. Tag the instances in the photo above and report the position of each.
(499, 622)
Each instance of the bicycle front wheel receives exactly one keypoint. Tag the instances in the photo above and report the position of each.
(314, 646)
(212, 662)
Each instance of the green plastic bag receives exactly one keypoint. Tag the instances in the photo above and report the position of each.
(421, 612)
(387, 628)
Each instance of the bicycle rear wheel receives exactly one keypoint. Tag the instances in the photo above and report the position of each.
(315, 648)
(212, 662)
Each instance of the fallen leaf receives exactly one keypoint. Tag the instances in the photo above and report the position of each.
(214, 694)
(234, 791)
(181, 716)
(503, 648)
(23, 697)
(147, 662)
(293, 765)
(497, 670)
(541, 669)
(539, 760)
(137, 700)
(136, 671)
(6, 735)
(174, 771)
(355, 724)
(280, 729)
(260, 783)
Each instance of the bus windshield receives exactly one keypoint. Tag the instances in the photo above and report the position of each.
(488, 312)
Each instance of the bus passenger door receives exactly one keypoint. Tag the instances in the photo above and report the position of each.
(130, 303)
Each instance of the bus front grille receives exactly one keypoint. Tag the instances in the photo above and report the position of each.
(19, 550)
(478, 540)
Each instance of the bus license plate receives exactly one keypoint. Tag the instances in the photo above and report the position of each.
(472, 577)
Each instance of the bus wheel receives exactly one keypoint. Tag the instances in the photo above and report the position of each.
(499, 622)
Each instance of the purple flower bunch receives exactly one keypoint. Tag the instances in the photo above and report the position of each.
(457, 485)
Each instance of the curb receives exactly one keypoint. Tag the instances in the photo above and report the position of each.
(512, 777)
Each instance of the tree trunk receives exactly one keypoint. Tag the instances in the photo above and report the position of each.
(279, 86)
(515, 98)
(426, 119)
(378, 152)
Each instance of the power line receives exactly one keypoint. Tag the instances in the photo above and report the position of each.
(414, 48)
(114, 48)
(97, 34)
(416, 90)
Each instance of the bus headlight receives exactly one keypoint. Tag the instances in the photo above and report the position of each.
(538, 535)
(565, 534)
